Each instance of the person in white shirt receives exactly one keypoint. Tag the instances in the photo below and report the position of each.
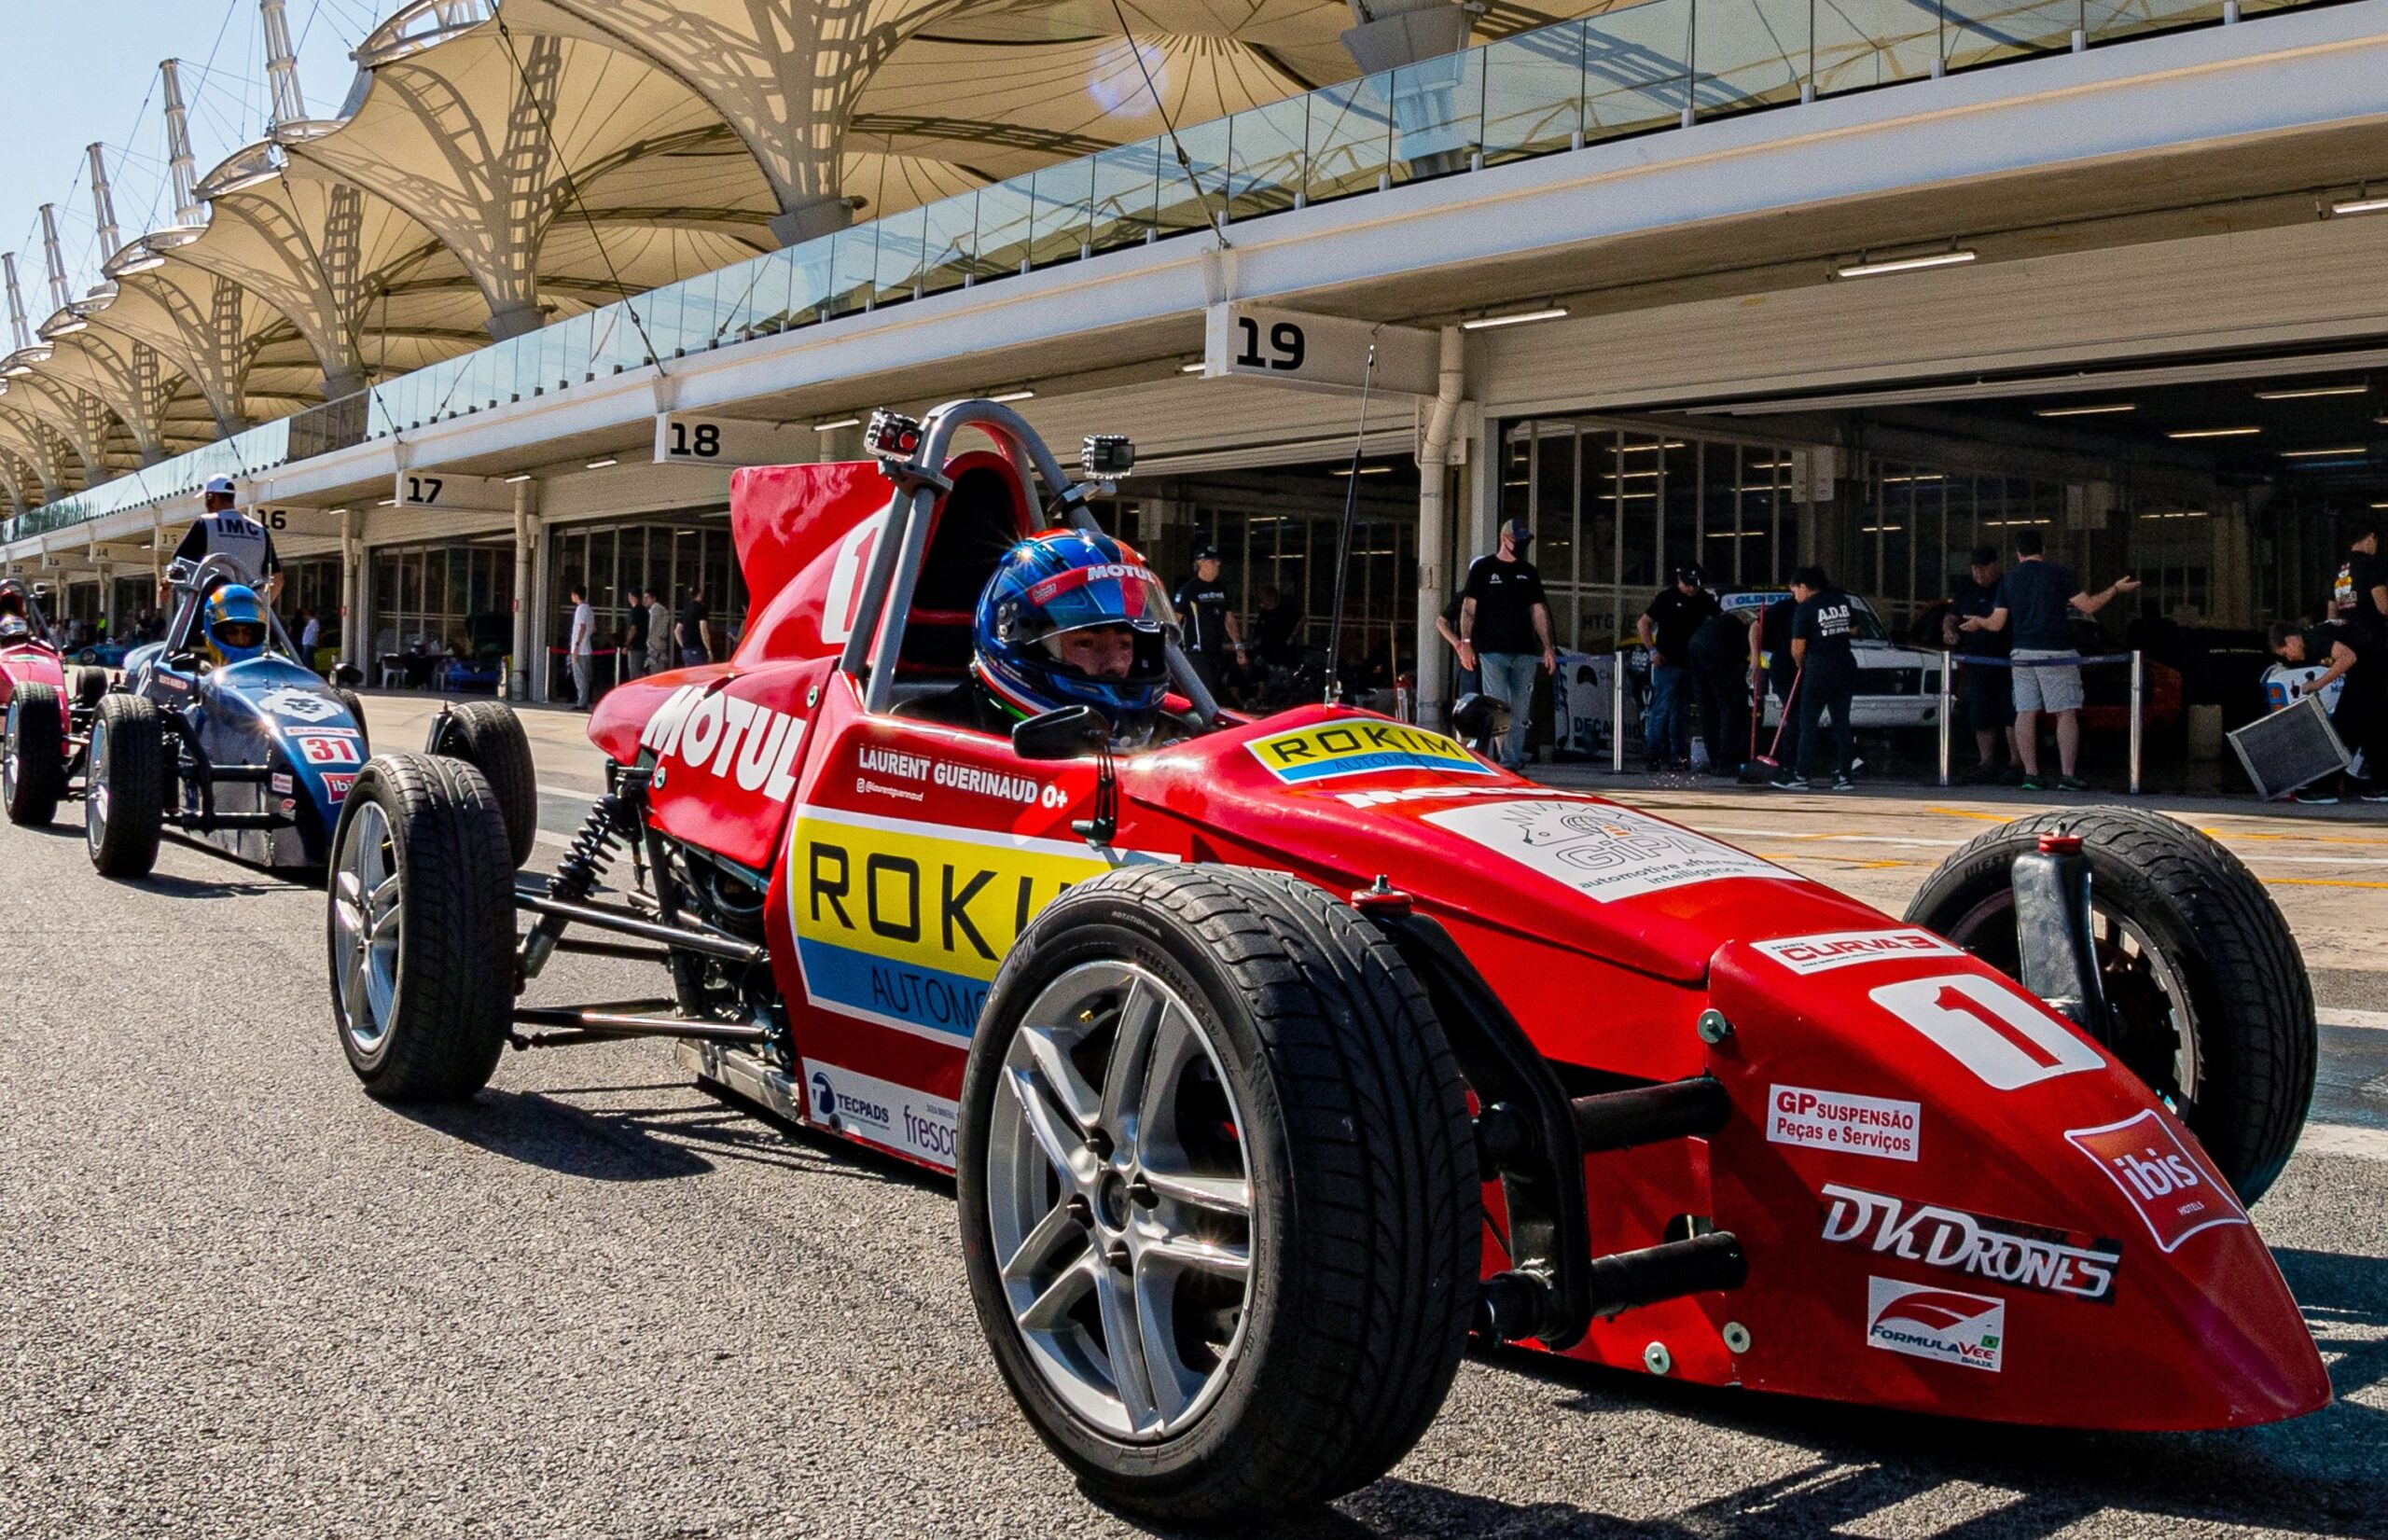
(583, 646)
(311, 635)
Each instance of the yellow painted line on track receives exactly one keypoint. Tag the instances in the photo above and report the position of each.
(2320, 882)
(1984, 817)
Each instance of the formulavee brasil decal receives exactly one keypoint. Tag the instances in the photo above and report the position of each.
(1359, 747)
(1924, 1320)
(903, 922)
(1601, 852)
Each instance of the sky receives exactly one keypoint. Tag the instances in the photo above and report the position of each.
(75, 71)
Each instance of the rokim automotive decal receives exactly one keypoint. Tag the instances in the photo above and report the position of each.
(903, 922)
(298, 705)
(1360, 746)
(1839, 1120)
(1601, 852)
(716, 733)
(1924, 1320)
(2176, 1196)
(1806, 954)
(881, 1111)
(2039, 1258)
(2007, 1041)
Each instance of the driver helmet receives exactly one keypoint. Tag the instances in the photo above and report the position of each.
(235, 624)
(1044, 621)
(12, 603)
(13, 627)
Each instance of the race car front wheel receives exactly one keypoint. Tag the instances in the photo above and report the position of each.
(1219, 1188)
(2211, 1005)
(124, 799)
(421, 929)
(33, 755)
(488, 736)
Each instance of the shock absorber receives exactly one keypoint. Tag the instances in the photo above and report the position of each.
(577, 875)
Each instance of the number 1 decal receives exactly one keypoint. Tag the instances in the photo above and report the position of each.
(2007, 1041)
(845, 579)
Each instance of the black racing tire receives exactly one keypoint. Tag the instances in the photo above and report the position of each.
(124, 796)
(422, 1004)
(1363, 1228)
(355, 704)
(488, 736)
(33, 755)
(90, 684)
(2237, 1008)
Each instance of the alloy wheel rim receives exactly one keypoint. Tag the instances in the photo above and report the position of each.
(1119, 1202)
(366, 926)
(95, 793)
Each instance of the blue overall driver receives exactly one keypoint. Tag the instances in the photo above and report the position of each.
(1069, 618)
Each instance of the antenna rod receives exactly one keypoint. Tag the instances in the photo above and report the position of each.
(179, 156)
(59, 298)
(282, 64)
(1344, 540)
(16, 304)
(103, 205)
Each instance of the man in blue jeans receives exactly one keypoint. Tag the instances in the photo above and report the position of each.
(1666, 629)
(1505, 630)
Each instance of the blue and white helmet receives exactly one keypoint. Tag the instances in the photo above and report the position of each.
(1070, 580)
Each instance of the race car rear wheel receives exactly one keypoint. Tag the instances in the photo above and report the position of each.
(2213, 1006)
(1218, 1187)
(124, 798)
(33, 755)
(421, 929)
(488, 736)
(90, 684)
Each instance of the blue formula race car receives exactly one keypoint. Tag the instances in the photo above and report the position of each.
(220, 732)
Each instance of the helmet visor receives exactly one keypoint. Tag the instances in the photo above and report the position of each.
(241, 635)
(1116, 593)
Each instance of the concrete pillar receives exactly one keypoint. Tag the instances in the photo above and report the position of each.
(351, 596)
(518, 683)
(1436, 567)
(819, 216)
(515, 320)
(542, 575)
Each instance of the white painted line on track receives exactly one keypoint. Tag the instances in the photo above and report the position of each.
(2339, 1139)
(2371, 1020)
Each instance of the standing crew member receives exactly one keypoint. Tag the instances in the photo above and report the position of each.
(2359, 589)
(1989, 688)
(1822, 629)
(583, 646)
(1447, 627)
(1666, 628)
(1207, 619)
(658, 631)
(1720, 669)
(2357, 656)
(1501, 620)
(694, 630)
(2032, 598)
(632, 661)
(1770, 642)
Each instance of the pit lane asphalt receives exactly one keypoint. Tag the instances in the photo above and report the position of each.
(239, 1299)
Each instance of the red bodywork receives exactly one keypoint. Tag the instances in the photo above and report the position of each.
(33, 663)
(1951, 1201)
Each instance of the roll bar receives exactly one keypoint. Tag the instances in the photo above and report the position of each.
(896, 563)
(196, 579)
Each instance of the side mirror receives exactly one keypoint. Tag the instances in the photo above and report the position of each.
(348, 674)
(1073, 732)
(1479, 720)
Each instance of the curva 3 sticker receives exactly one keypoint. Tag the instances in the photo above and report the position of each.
(1601, 852)
(1806, 954)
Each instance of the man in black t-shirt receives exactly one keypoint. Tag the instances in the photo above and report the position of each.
(1666, 628)
(1447, 627)
(1720, 673)
(1770, 639)
(2357, 659)
(1822, 631)
(1503, 623)
(1206, 620)
(634, 646)
(694, 630)
(2359, 588)
(1985, 688)
(2031, 605)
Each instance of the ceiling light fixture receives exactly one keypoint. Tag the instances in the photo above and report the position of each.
(2365, 204)
(600, 465)
(1370, 470)
(841, 422)
(1191, 368)
(387, 503)
(517, 480)
(2301, 393)
(1867, 268)
(2212, 433)
(2100, 409)
(2322, 455)
(1514, 318)
(1014, 395)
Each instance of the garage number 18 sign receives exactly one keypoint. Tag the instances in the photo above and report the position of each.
(1286, 347)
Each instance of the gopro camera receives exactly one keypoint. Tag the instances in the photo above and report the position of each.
(892, 436)
(1107, 456)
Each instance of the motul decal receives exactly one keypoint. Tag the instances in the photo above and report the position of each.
(719, 734)
(2007, 1041)
(2002, 1251)
(1806, 954)
(2175, 1194)
(1838, 1120)
(1946, 1325)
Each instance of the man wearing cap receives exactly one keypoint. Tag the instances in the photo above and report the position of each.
(1206, 616)
(1503, 623)
(224, 529)
(1666, 629)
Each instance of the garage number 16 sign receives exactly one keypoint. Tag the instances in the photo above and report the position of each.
(1287, 347)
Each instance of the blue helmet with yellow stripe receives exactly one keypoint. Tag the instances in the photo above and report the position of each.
(235, 624)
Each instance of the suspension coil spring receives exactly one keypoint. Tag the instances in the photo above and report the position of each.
(576, 874)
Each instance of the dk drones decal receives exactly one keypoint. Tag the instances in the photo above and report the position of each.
(1806, 954)
(2003, 1251)
(2175, 1195)
(1601, 852)
(1924, 1320)
(1360, 747)
(2007, 1041)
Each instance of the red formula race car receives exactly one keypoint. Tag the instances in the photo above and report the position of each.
(1276, 1058)
(47, 728)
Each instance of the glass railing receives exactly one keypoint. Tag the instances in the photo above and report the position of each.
(1657, 65)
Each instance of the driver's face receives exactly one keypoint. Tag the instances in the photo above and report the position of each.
(1100, 652)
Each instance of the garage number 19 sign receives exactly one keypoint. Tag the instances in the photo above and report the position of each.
(1283, 347)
